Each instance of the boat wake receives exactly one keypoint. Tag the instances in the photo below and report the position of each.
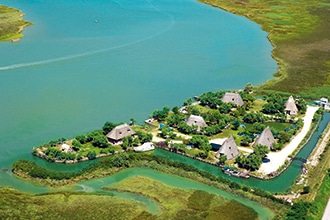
(75, 56)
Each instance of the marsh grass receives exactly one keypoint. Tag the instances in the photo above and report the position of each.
(185, 204)
(65, 205)
(299, 31)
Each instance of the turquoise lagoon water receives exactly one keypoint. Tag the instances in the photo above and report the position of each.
(70, 74)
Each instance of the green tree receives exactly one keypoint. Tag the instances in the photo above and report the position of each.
(225, 108)
(301, 105)
(248, 88)
(253, 162)
(186, 129)
(254, 117)
(127, 142)
(175, 110)
(193, 110)
(120, 160)
(257, 128)
(91, 155)
(174, 119)
(299, 123)
(132, 121)
(187, 102)
(236, 123)
(108, 126)
(284, 137)
(201, 142)
(261, 150)
(160, 115)
(100, 141)
(306, 189)
(246, 140)
(76, 145)
(222, 159)
(81, 138)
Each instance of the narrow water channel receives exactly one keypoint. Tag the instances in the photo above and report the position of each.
(171, 180)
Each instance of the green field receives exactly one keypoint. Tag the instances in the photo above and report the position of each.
(11, 23)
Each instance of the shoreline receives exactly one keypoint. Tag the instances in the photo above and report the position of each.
(19, 23)
(298, 37)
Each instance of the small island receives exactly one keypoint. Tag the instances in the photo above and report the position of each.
(236, 130)
(11, 24)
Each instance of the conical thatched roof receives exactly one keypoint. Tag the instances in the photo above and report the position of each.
(266, 138)
(233, 98)
(120, 131)
(196, 120)
(229, 148)
(290, 106)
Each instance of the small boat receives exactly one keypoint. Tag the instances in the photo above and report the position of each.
(96, 21)
(234, 172)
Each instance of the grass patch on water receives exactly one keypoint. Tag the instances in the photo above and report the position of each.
(185, 204)
(11, 23)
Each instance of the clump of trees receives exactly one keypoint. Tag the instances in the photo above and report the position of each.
(160, 115)
(139, 138)
(254, 160)
(201, 142)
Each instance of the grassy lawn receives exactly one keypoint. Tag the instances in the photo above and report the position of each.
(278, 125)
(257, 105)
(299, 31)
(11, 23)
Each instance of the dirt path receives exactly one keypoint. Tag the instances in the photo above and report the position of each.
(278, 158)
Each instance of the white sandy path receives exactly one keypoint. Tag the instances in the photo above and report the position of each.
(326, 214)
(278, 158)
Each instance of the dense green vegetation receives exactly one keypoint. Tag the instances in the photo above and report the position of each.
(89, 146)
(299, 31)
(224, 119)
(108, 165)
(185, 204)
(11, 23)
(66, 205)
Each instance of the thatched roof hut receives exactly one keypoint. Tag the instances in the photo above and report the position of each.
(196, 120)
(290, 106)
(119, 132)
(228, 148)
(266, 138)
(235, 98)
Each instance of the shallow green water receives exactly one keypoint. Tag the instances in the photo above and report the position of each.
(69, 74)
